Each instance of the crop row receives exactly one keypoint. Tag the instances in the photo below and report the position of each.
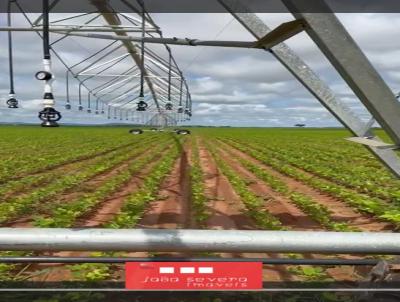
(255, 209)
(361, 202)
(65, 214)
(131, 212)
(255, 206)
(51, 150)
(36, 180)
(313, 209)
(198, 198)
(26, 203)
(135, 204)
(362, 178)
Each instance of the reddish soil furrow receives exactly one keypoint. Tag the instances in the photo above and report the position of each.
(341, 212)
(167, 212)
(172, 209)
(289, 218)
(107, 209)
(66, 165)
(276, 204)
(95, 218)
(228, 212)
(87, 186)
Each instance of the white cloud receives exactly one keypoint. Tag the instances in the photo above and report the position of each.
(229, 86)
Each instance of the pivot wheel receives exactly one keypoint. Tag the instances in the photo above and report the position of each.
(136, 131)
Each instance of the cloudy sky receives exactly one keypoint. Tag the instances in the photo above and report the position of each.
(237, 87)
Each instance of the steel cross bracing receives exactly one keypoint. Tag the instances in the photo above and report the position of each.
(348, 59)
(344, 54)
(101, 76)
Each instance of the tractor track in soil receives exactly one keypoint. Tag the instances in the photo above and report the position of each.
(227, 212)
(170, 211)
(73, 193)
(341, 212)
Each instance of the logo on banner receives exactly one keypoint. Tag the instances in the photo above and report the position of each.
(194, 275)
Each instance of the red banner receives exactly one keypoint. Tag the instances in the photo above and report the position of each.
(194, 275)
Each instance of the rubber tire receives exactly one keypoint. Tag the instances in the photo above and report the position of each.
(136, 131)
(183, 132)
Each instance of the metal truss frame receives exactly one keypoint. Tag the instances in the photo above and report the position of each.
(94, 67)
(358, 73)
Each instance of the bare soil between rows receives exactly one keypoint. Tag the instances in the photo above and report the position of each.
(173, 209)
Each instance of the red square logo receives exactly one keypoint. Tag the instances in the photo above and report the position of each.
(194, 275)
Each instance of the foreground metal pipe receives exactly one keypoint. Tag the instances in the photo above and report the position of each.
(270, 261)
(154, 240)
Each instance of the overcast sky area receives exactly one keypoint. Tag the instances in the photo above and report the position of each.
(235, 87)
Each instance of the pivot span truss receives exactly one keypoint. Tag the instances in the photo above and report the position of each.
(114, 76)
(337, 45)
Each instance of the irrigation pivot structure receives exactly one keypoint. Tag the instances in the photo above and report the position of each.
(122, 80)
(154, 84)
(126, 77)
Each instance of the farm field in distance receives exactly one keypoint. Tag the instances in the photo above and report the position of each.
(215, 178)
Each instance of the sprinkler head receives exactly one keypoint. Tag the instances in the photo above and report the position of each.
(49, 117)
(168, 106)
(12, 103)
(188, 112)
(141, 106)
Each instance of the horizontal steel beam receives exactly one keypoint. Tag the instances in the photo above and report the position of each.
(270, 40)
(155, 240)
(171, 41)
(270, 261)
(72, 29)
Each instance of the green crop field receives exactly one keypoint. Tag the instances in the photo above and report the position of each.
(215, 178)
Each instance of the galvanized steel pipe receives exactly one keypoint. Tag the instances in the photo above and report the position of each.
(156, 240)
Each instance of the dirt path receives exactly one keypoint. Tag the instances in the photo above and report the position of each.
(172, 209)
(341, 212)
(228, 212)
